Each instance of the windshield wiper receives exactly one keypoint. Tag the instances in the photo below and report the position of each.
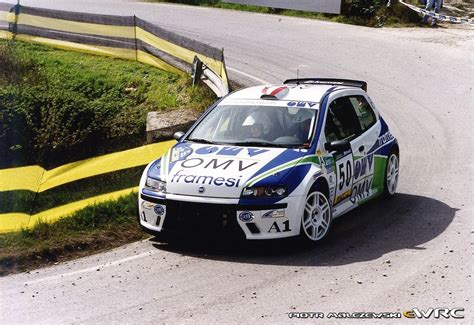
(198, 140)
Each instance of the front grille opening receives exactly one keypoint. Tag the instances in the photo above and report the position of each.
(201, 217)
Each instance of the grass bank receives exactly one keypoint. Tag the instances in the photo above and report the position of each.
(61, 106)
(58, 107)
(371, 13)
(93, 229)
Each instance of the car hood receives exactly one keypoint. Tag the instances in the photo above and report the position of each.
(222, 171)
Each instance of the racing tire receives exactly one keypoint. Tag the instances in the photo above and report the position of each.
(317, 218)
(391, 175)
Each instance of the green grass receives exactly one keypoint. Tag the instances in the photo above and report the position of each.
(375, 15)
(58, 106)
(61, 106)
(92, 229)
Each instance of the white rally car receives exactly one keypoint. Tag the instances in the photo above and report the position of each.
(273, 161)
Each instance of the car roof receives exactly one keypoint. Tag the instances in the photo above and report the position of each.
(294, 92)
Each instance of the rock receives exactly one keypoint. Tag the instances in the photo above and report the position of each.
(162, 125)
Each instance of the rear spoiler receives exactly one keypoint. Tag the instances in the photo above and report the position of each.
(329, 81)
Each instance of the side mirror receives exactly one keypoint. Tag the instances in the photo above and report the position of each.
(339, 145)
(178, 135)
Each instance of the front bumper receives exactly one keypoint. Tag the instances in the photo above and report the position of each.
(202, 215)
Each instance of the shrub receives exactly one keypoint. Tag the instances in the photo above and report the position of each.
(59, 106)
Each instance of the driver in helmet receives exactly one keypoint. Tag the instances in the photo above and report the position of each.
(303, 119)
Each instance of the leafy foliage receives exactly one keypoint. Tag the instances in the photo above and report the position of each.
(362, 8)
(59, 106)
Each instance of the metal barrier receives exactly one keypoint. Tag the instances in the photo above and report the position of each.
(441, 17)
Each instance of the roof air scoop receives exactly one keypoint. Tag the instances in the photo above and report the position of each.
(274, 92)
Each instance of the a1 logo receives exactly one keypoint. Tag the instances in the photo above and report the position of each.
(276, 228)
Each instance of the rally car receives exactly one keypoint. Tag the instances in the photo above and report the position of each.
(269, 162)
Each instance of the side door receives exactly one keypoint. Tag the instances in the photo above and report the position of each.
(363, 147)
(341, 128)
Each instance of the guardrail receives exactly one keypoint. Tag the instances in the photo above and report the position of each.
(441, 17)
(126, 37)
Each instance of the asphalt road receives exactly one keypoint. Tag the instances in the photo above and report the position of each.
(414, 251)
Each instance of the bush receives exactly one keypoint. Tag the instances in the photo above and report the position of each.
(60, 106)
(362, 8)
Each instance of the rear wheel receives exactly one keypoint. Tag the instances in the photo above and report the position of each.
(317, 217)
(391, 175)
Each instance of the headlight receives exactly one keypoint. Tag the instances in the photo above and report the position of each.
(268, 191)
(155, 185)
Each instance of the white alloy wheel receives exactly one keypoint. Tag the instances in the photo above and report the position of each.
(392, 174)
(317, 216)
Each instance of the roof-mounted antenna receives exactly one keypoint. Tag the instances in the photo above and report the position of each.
(297, 75)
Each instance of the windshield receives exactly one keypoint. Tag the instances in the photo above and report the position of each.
(257, 125)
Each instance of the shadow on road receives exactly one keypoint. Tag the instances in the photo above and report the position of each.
(377, 228)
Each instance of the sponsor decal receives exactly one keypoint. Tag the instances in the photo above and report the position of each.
(229, 151)
(274, 214)
(302, 104)
(332, 191)
(316, 175)
(383, 139)
(246, 216)
(361, 190)
(181, 177)
(363, 178)
(180, 152)
(328, 164)
(217, 163)
(363, 166)
(343, 196)
(159, 210)
(261, 102)
(147, 205)
(283, 227)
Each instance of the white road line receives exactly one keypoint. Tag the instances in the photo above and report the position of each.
(93, 268)
(249, 76)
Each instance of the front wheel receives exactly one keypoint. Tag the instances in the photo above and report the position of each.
(317, 217)
(391, 175)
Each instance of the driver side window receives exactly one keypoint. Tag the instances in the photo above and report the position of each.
(341, 120)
